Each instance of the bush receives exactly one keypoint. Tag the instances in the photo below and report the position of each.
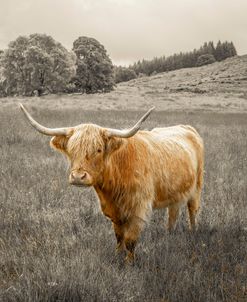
(205, 60)
(124, 74)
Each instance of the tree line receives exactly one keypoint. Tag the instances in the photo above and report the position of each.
(38, 64)
(206, 54)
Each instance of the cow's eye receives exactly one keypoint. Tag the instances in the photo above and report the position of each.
(99, 150)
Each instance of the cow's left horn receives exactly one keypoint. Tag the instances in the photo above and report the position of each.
(42, 129)
(132, 131)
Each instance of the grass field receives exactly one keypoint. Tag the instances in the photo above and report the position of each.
(55, 245)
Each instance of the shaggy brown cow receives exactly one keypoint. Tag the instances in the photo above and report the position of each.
(133, 171)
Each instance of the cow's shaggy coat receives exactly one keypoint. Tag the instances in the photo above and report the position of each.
(162, 168)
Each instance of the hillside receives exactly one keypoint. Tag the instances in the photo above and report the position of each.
(216, 86)
(221, 86)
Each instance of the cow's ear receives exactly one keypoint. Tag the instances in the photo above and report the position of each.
(59, 143)
(113, 144)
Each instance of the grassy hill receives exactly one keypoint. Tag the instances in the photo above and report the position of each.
(221, 86)
(228, 76)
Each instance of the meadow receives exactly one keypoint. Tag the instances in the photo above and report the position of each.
(55, 244)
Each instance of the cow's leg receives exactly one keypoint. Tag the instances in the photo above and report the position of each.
(173, 211)
(193, 206)
(119, 233)
(194, 202)
(131, 234)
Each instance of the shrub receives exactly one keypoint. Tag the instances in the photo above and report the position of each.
(205, 60)
(124, 74)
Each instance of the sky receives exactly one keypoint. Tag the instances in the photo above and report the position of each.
(130, 30)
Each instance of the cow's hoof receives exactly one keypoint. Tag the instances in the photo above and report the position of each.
(130, 259)
(119, 248)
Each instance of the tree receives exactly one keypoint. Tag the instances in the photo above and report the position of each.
(205, 60)
(219, 51)
(36, 63)
(2, 78)
(94, 69)
(232, 49)
(224, 50)
(124, 74)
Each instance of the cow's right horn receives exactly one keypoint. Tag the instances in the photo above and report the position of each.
(42, 129)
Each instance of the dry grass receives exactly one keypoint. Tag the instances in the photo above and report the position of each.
(55, 245)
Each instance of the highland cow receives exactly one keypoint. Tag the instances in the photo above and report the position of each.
(133, 171)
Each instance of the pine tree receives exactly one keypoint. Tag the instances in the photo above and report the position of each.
(232, 48)
(219, 51)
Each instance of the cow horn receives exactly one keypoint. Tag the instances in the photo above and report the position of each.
(132, 131)
(42, 129)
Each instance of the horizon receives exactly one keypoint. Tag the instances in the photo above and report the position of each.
(129, 30)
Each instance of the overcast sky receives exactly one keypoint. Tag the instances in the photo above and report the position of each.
(129, 29)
